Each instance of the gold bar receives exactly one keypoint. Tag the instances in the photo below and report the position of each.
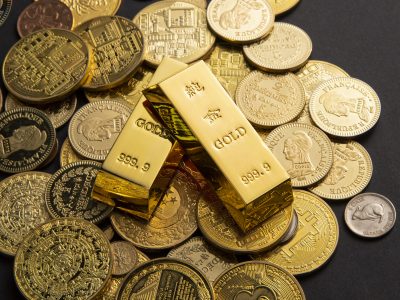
(143, 160)
(222, 143)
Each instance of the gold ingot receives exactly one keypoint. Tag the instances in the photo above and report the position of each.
(143, 160)
(221, 142)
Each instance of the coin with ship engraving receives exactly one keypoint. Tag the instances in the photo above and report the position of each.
(282, 6)
(240, 21)
(27, 139)
(68, 155)
(22, 208)
(345, 107)
(370, 215)
(269, 100)
(69, 193)
(287, 48)
(257, 280)
(315, 240)
(63, 259)
(95, 127)
(174, 29)
(165, 278)
(5, 8)
(124, 256)
(46, 66)
(290, 233)
(350, 173)
(303, 150)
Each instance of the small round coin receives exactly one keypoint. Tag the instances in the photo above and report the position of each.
(125, 257)
(287, 48)
(370, 215)
(257, 280)
(63, 259)
(165, 278)
(304, 151)
(5, 8)
(269, 100)
(282, 6)
(345, 107)
(68, 154)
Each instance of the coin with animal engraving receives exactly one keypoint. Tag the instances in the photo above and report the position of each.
(46, 66)
(257, 280)
(95, 127)
(282, 6)
(315, 240)
(5, 8)
(69, 193)
(269, 100)
(291, 232)
(345, 107)
(111, 289)
(124, 256)
(370, 215)
(63, 259)
(165, 278)
(287, 48)
(303, 150)
(68, 155)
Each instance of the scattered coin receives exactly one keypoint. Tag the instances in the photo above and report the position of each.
(109, 232)
(282, 6)
(68, 155)
(1, 99)
(142, 257)
(124, 256)
(111, 289)
(52, 156)
(291, 232)
(199, 3)
(5, 8)
(370, 215)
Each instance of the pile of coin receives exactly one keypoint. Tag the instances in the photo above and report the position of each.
(305, 110)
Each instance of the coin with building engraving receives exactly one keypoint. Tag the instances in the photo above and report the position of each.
(287, 48)
(269, 100)
(65, 258)
(124, 256)
(174, 29)
(69, 193)
(111, 289)
(315, 240)
(345, 107)
(27, 139)
(5, 8)
(303, 150)
(46, 66)
(370, 215)
(95, 127)
(22, 208)
(68, 155)
(165, 278)
(282, 6)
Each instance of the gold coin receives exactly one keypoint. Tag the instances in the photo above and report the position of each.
(257, 280)
(165, 278)
(350, 173)
(68, 155)
(287, 48)
(174, 29)
(315, 240)
(229, 66)
(52, 156)
(111, 289)
(129, 92)
(269, 100)
(199, 3)
(63, 259)
(220, 229)
(311, 76)
(345, 107)
(282, 6)
(1, 99)
(124, 256)
(46, 66)
(142, 257)
(118, 47)
(109, 232)
(240, 21)
(22, 208)
(303, 150)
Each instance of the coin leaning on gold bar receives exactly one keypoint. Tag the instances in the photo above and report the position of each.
(46, 66)
(257, 280)
(63, 259)
(345, 107)
(125, 257)
(68, 155)
(282, 6)
(269, 100)
(304, 151)
(287, 48)
(315, 240)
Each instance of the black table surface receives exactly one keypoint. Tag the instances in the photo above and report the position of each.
(362, 37)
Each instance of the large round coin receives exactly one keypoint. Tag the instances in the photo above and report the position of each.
(95, 127)
(257, 280)
(46, 66)
(22, 208)
(370, 215)
(304, 151)
(165, 278)
(345, 107)
(68, 193)
(63, 259)
(315, 240)
(282, 6)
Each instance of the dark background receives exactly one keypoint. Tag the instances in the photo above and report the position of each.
(363, 38)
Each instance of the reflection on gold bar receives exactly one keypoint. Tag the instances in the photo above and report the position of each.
(143, 160)
(222, 143)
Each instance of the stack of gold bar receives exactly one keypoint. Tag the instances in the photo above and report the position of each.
(202, 118)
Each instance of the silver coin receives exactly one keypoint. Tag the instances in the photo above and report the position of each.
(370, 215)
(290, 233)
